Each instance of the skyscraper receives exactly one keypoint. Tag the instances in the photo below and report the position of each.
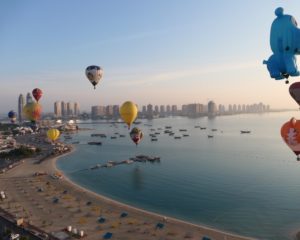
(57, 109)
(20, 107)
(70, 109)
(29, 98)
(211, 108)
(63, 109)
(76, 109)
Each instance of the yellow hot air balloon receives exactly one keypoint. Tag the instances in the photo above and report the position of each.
(128, 112)
(53, 134)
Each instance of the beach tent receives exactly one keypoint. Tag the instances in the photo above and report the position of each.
(206, 238)
(101, 220)
(107, 235)
(124, 214)
(160, 225)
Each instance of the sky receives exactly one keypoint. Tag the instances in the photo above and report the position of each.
(158, 52)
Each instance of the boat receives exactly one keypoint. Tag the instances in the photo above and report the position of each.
(121, 135)
(197, 126)
(210, 136)
(157, 133)
(76, 142)
(171, 134)
(185, 135)
(202, 128)
(102, 135)
(95, 143)
(113, 137)
(177, 137)
(153, 139)
(245, 131)
(167, 131)
(182, 130)
(214, 129)
(168, 127)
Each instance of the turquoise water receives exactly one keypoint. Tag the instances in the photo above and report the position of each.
(243, 183)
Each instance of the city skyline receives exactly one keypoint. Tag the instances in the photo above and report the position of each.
(145, 55)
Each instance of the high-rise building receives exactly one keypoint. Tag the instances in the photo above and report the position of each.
(70, 109)
(116, 111)
(211, 108)
(149, 111)
(144, 109)
(109, 111)
(98, 111)
(168, 109)
(174, 109)
(57, 109)
(64, 109)
(156, 109)
(162, 109)
(76, 109)
(20, 107)
(29, 98)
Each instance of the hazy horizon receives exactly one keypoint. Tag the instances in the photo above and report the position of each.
(151, 52)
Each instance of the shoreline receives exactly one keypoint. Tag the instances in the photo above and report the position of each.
(130, 207)
(54, 204)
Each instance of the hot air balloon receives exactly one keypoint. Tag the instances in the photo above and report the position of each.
(37, 94)
(94, 74)
(53, 134)
(13, 116)
(128, 112)
(290, 133)
(295, 91)
(32, 111)
(136, 135)
(285, 44)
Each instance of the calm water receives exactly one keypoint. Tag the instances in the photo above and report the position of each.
(243, 183)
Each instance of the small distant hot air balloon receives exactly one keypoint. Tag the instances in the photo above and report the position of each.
(94, 74)
(128, 112)
(290, 133)
(53, 134)
(32, 111)
(136, 135)
(12, 116)
(295, 91)
(37, 94)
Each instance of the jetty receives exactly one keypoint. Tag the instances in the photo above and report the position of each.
(137, 158)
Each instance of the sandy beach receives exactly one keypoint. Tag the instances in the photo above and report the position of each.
(33, 198)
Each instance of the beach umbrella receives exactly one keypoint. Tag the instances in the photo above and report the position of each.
(12, 116)
(136, 135)
(53, 134)
(290, 133)
(128, 112)
(37, 94)
(94, 74)
(294, 90)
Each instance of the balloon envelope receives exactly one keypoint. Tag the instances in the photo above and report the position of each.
(53, 134)
(295, 91)
(32, 111)
(136, 135)
(12, 115)
(290, 133)
(128, 112)
(94, 74)
(37, 94)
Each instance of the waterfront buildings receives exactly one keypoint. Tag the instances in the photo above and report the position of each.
(57, 109)
(29, 98)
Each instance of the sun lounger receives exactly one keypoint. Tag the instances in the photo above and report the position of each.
(107, 235)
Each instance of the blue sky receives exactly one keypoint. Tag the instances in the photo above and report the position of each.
(159, 52)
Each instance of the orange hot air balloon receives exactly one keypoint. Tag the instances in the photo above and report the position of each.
(32, 111)
(290, 133)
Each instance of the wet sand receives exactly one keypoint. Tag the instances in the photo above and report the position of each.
(32, 197)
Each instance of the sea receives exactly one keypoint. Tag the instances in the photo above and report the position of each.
(248, 184)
